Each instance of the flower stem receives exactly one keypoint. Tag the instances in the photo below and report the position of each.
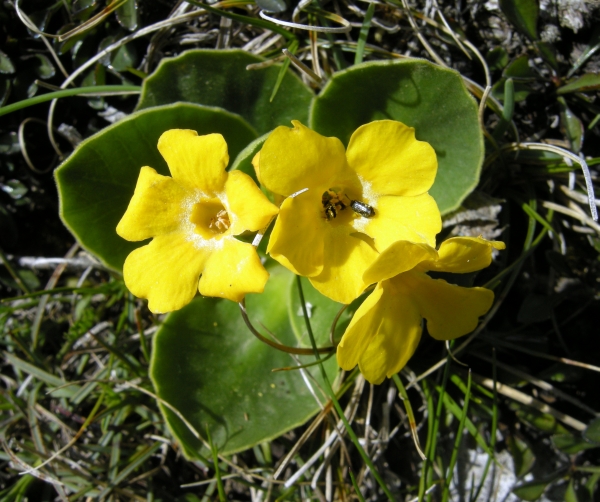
(97, 89)
(336, 404)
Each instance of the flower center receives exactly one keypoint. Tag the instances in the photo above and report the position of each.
(334, 201)
(210, 218)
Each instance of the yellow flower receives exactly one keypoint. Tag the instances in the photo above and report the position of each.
(193, 218)
(386, 328)
(358, 201)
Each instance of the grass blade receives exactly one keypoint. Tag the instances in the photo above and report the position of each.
(457, 441)
(364, 32)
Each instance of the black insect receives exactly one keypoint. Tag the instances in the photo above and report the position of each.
(362, 208)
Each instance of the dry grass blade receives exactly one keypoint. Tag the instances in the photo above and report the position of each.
(530, 401)
(27, 469)
(573, 212)
(302, 67)
(345, 28)
(540, 383)
(563, 360)
(93, 21)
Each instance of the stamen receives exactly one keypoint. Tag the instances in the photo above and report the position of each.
(220, 221)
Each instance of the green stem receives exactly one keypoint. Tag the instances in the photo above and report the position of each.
(409, 411)
(12, 271)
(457, 440)
(215, 457)
(430, 452)
(65, 93)
(336, 404)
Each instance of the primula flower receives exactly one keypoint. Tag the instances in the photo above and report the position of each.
(386, 328)
(193, 218)
(358, 201)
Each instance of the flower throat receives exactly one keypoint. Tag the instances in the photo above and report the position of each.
(334, 201)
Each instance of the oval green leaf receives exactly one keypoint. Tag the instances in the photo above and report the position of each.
(519, 69)
(420, 94)
(587, 82)
(220, 78)
(592, 433)
(523, 14)
(97, 181)
(531, 491)
(208, 366)
(497, 58)
(571, 444)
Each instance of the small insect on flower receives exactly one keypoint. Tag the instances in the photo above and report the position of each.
(330, 212)
(361, 208)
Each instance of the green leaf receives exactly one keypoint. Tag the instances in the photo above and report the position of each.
(520, 91)
(124, 57)
(431, 99)
(519, 69)
(243, 162)
(570, 493)
(571, 444)
(523, 14)
(532, 490)
(592, 432)
(127, 15)
(523, 456)
(272, 5)
(587, 82)
(542, 421)
(220, 78)
(4, 90)
(209, 366)
(14, 188)
(9, 143)
(497, 58)
(508, 111)
(44, 68)
(97, 181)
(548, 53)
(6, 65)
(571, 125)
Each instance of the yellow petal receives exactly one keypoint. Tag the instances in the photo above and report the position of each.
(293, 159)
(400, 257)
(256, 165)
(165, 272)
(346, 257)
(195, 161)
(383, 334)
(251, 209)
(415, 219)
(464, 254)
(451, 311)
(156, 207)
(297, 239)
(233, 271)
(362, 328)
(387, 155)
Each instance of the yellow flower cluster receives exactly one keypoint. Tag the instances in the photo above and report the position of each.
(349, 218)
